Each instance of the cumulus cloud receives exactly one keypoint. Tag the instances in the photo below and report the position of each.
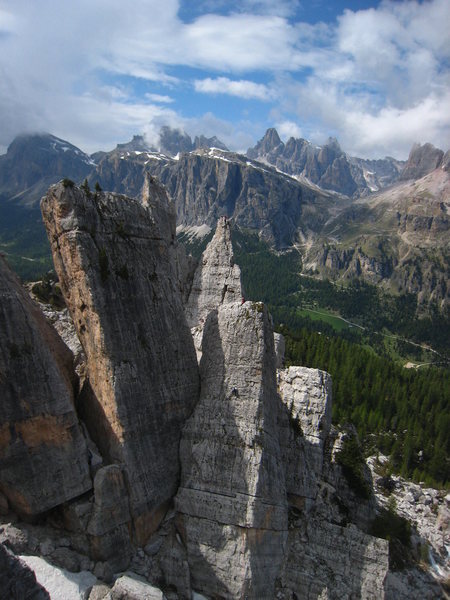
(163, 99)
(288, 129)
(385, 83)
(92, 71)
(241, 88)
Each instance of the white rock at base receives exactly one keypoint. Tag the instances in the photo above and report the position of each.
(130, 587)
(59, 583)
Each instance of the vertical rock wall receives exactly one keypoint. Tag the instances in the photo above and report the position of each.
(43, 455)
(306, 396)
(113, 257)
(232, 497)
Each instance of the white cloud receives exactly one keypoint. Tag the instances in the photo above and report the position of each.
(288, 129)
(384, 83)
(92, 70)
(159, 98)
(242, 88)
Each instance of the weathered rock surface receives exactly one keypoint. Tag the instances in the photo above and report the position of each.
(422, 160)
(217, 279)
(232, 497)
(108, 527)
(306, 395)
(329, 561)
(43, 454)
(280, 347)
(114, 261)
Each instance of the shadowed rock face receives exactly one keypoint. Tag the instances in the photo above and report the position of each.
(232, 497)
(17, 580)
(43, 455)
(113, 257)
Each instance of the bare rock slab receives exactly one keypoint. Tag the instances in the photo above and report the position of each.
(60, 583)
(43, 454)
(114, 259)
(232, 498)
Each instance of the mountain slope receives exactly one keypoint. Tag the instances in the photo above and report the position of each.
(399, 237)
(33, 162)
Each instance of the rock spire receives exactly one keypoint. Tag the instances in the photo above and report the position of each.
(232, 497)
(114, 261)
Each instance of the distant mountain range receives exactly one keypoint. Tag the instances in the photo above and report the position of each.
(381, 220)
(328, 166)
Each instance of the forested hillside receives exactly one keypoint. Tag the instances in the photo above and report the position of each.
(402, 412)
(398, 411)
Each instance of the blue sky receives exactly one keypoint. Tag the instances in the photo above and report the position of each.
(375, 74)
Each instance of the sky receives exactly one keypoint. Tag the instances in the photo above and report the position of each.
(373, 74)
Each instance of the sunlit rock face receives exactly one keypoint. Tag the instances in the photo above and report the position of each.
(217, 279)
(43, 455)
(114, 258)
(421, 160)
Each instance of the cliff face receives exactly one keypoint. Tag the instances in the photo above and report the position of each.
(232, 497)
(206, 185)
(421, 161)
(114, 260)
(43, 455)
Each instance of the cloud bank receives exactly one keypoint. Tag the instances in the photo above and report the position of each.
(96, 72)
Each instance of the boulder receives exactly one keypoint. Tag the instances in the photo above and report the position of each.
(131, 587)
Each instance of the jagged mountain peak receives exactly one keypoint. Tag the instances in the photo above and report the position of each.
(272, 136)
(327, 166)
(268, 143)
(212, 142)
(423, 158)
(138, 143)
(332, 142)
(173, 141)
(34, 161)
